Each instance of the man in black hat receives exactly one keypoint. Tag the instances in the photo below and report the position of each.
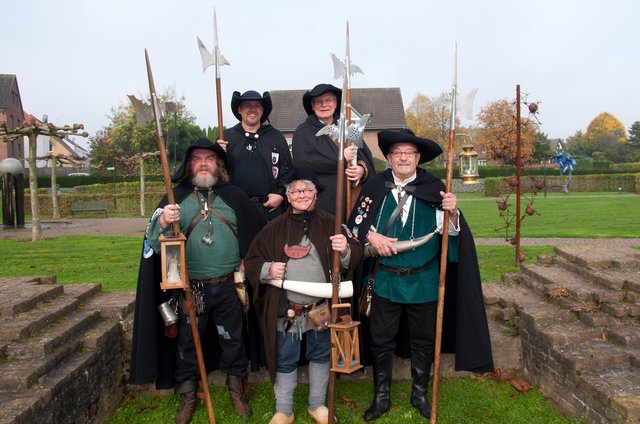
(257, 154)
(297, 248)
(406, 203)
(320, 153)
(219, 222)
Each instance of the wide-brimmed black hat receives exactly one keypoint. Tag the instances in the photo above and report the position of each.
(265, 100)
(201, 143)
(428, 149)
(319, 90)
(298, 173)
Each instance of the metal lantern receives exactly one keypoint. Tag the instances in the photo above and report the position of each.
(345, 344)
(174, 267)
(468, 165)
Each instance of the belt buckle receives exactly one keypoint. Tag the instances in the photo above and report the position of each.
(403, 271)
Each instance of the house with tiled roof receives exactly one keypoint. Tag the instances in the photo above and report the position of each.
(383, 104)
(11, 114)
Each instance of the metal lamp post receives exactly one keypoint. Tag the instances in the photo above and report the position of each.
(119, 151)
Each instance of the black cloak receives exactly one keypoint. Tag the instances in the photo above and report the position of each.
(320, 155)
(465, 330)
(152, 353)
(270, 141)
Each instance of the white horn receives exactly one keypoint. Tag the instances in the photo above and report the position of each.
(324, 290)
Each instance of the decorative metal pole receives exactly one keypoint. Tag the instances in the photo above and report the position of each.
(518, 174)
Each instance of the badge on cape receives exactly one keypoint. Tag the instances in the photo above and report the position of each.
(275, 157)
(275, 171)
(147, 251)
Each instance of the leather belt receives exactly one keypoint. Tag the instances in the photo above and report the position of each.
(219, 280)
(405, 271)
(301, 308)
(259, 199)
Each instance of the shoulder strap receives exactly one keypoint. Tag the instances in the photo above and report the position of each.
(212, 197)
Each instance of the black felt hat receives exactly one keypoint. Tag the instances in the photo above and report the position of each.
(428, 149)
(201, 143)
(319, 90)
(298, 173)
(265, 100)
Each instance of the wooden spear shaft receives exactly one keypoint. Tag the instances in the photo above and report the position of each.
(176, 231)
(444, 249)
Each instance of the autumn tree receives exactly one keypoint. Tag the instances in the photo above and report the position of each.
(606, 123)
(496, 134)
(431, 120)
(122, 138)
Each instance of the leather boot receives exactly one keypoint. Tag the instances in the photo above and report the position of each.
(382, 369)
(188, 403)
(239, 395)
(420, 370)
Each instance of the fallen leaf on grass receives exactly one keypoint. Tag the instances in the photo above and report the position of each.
(349, 402)
(520, 385)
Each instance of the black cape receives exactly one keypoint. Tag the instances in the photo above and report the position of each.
(465, 330)
(269, 141)
(152, 353)
(320, 155)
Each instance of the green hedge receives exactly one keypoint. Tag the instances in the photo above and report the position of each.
(582, 183)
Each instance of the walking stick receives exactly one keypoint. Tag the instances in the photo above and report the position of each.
(176, 234)
(445, 246)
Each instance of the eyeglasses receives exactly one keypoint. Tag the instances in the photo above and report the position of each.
(398, 153)
(305, 191)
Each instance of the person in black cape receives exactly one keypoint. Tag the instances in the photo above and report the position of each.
(405, 287)
(320, 153)
(214, 249)
(258, 155)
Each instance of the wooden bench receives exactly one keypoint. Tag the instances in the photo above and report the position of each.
(89, 206)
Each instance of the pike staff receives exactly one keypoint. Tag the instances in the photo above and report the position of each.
(176, 233)
(337, 228)
(445, 243)
(214, 58)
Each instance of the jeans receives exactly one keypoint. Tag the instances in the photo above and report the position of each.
(288, 350)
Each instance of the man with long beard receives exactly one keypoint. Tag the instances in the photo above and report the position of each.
(219, 222)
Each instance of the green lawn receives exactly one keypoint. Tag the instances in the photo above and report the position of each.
(559, 216)
(460, 400)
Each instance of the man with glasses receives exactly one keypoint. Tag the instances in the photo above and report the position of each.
(406, 203)
(297, 247)
(320, 153)
(219, 222)
(257, 154)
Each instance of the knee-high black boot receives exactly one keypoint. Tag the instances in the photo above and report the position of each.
(420, 370)
(382, 369)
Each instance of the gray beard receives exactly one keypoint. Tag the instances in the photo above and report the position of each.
(204, 181)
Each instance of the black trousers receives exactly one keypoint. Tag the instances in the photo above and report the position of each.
(385, 320)
(223, 308)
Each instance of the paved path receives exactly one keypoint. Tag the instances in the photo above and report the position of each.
(134, 227)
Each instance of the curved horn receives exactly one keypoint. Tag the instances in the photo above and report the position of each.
(314, 289)
(400, 246)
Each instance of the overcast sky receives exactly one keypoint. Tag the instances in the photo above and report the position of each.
(76, 59)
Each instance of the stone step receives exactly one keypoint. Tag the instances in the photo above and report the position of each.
(604, 257)
(21, 296)
(35, 320)
(627, 281)
(70, 388)
(613, 390)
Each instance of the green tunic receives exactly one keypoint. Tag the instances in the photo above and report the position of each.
(421, 286)
(204, 261)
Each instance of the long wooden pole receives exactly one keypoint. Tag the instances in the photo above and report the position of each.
(216, 52)
(337, 228)
(444, 247)
(176, 231)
